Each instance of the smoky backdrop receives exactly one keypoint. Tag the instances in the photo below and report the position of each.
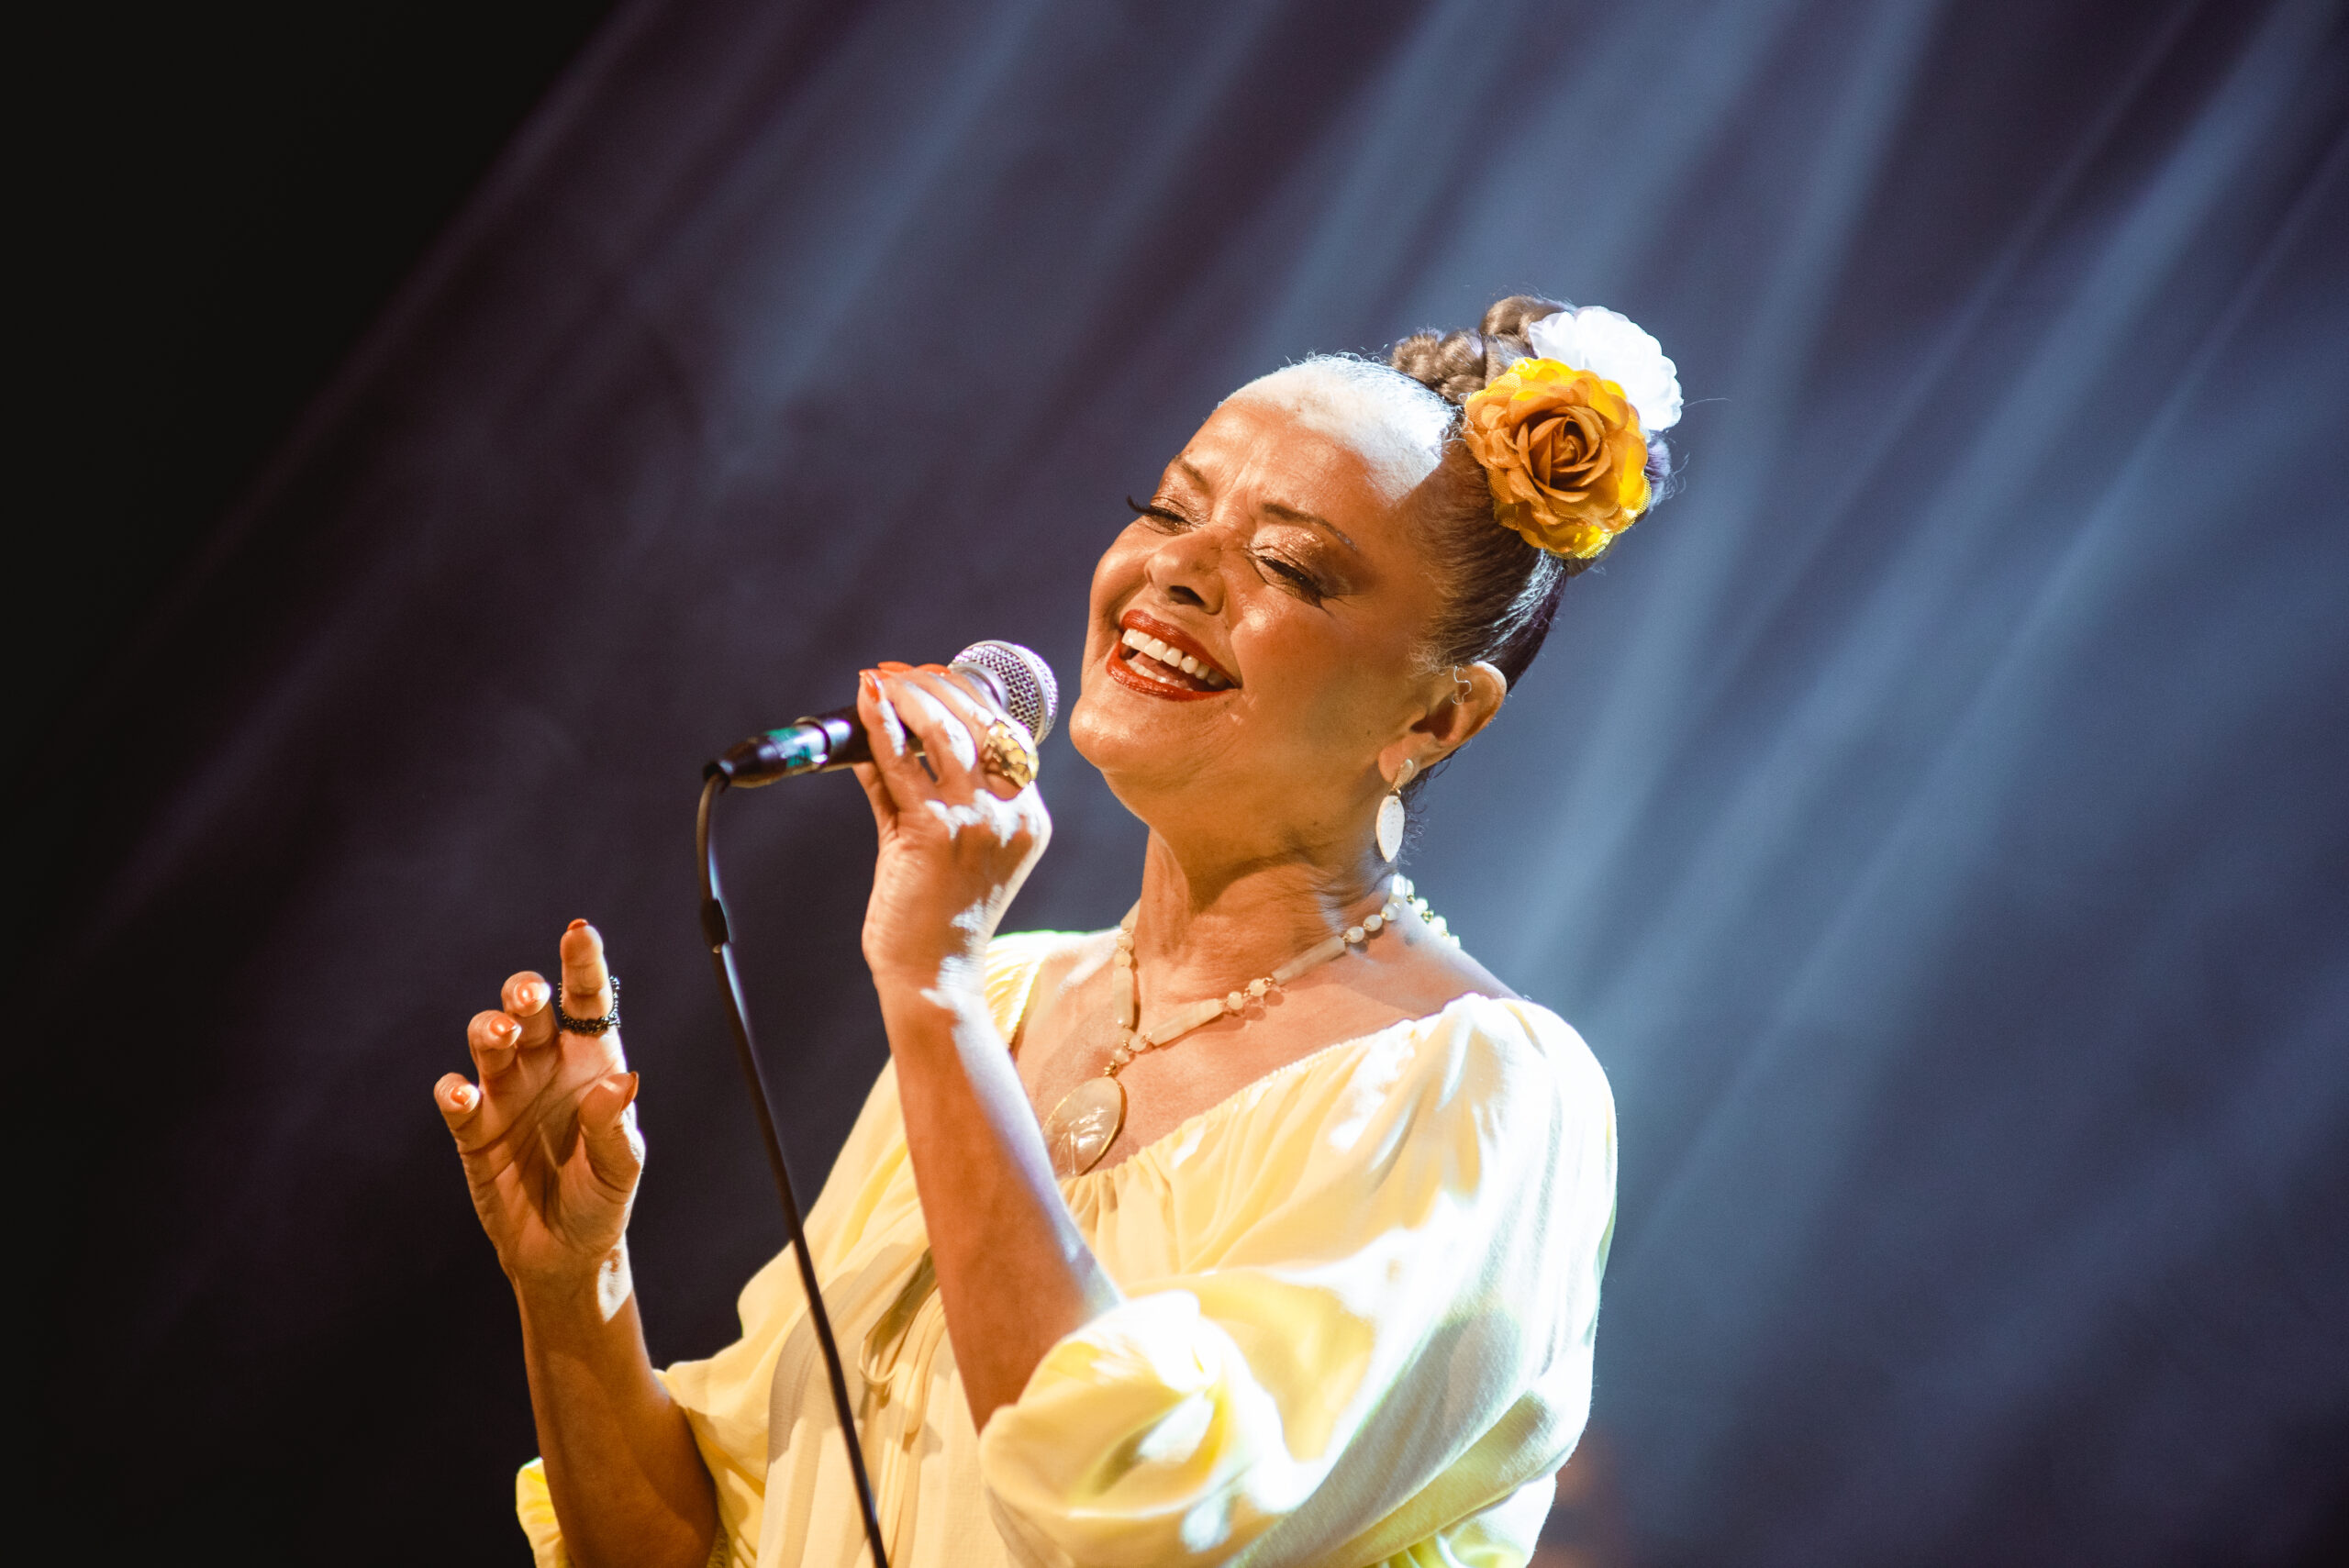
(1933, 816)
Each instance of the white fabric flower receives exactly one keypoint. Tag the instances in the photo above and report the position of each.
(1597, 339)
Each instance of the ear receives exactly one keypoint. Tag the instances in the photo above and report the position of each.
(1461, 701)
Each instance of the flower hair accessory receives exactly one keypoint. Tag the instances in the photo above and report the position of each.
(1617, 348)
(1562, 436)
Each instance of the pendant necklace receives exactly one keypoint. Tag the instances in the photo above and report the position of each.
(1086, 1121)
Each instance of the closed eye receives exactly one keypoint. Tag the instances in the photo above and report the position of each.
(1299, 580)
(1165, 516)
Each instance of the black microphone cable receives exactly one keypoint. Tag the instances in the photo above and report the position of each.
(720, 936)
(1024, 684)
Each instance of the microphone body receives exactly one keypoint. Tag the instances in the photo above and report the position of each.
(1018, 679)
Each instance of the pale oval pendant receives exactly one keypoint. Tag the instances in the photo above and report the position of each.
(1083, 1126)
(1391, 819)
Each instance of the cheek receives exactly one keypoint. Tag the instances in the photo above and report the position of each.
(1116, 577)
(1119, 572)
(1315, 686)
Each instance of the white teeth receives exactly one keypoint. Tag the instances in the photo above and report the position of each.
(1166, 653)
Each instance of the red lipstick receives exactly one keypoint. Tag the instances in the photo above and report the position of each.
(1161, 659)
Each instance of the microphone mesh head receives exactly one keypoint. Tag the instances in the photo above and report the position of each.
(1029, 689)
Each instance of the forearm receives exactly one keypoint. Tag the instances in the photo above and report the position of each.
(1015, 1274)
(628, 1482)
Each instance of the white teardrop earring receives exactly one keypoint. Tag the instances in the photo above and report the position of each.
(1393, 817)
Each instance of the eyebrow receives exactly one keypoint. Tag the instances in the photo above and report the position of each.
(1278, 508)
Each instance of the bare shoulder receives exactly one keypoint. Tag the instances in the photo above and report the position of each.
(1468, 975)
(1426, 971)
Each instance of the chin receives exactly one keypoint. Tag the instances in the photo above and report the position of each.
(1135, 743)
(1106, 738)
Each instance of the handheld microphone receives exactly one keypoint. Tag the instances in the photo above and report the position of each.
(1017, 676)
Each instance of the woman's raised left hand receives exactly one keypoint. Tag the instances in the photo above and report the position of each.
(957, 838)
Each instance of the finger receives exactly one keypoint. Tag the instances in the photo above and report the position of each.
(525, 995)
(986, 706)
(978, 715)
(884, 810)
(929, 711)
(587, 983)
(900, 773)
(965, 694)
(460, 1103)
(493, 1038)
(609, 1133)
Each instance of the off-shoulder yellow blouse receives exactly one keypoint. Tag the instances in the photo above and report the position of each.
(1360, 1298)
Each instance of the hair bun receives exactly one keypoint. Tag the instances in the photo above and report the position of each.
(1456, 366)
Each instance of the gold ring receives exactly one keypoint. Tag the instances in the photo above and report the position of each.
(1010, 754)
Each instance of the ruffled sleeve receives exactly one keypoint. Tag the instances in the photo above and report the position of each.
(1380, 1326)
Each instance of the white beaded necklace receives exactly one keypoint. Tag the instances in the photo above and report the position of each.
(1086, 1121)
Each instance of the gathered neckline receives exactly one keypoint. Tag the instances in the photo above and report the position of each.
(1254, 1085)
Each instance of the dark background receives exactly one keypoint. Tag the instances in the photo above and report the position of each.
(448, 428)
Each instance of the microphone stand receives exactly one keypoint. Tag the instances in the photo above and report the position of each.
(720, 936)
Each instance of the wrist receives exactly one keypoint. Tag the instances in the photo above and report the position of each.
(588, 1287)
(910, 1007)
(951, 983)
(931, 1017)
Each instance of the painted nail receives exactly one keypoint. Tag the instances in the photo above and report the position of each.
(461, 1096)
(576, 925)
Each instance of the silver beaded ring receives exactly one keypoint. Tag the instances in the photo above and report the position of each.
(568, 1024)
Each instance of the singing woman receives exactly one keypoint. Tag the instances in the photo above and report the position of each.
(1265, 1227)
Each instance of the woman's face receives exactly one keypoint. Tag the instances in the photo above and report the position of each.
(1281, 597)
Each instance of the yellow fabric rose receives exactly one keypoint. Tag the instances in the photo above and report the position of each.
(1564, 454)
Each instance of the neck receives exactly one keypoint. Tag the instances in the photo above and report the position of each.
(1210, 924)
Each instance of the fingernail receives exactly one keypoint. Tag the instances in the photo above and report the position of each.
(461, 1096)
(635, 1081)
(503, 1026)
(576, 925)
(935, 669)
(895, 666)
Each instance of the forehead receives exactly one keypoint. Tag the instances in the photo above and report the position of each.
(1388, 425)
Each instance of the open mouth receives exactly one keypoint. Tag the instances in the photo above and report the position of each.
(1152, 656)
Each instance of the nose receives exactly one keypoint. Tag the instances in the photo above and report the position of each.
(1188, 568)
